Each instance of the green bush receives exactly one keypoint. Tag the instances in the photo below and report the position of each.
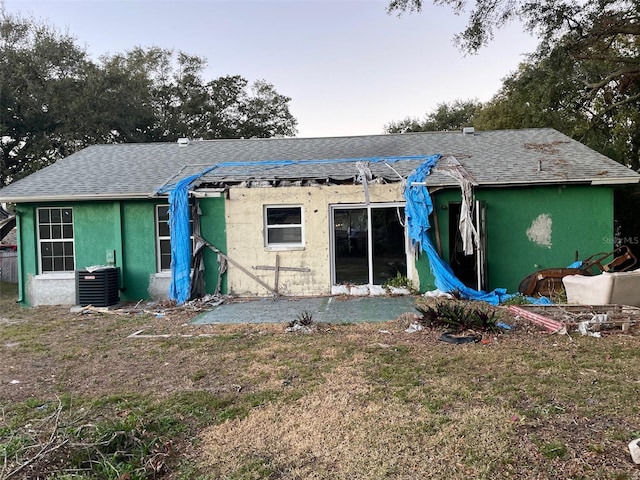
(400, 281)
(458, 316)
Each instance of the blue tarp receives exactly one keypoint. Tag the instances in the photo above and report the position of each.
(418, 208)
(180, 227)
(180, 235)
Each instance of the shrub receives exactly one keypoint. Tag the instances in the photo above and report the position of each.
(457, 316)
(400, 281)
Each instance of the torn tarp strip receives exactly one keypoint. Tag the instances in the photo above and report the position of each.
(419, 205)
(418, 208)
(180, 235)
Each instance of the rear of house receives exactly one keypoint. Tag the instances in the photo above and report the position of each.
(313, 216)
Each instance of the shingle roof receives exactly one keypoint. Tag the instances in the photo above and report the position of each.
(501, 157)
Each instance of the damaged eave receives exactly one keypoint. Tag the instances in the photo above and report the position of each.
(208, 192)
(435, 184)
(616, 181)
(222, 184)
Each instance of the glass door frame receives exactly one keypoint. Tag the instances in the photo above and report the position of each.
(369, 207)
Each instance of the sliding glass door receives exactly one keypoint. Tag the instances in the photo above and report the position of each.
(368, 243)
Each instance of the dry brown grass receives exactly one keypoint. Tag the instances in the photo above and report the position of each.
(361, 401)
(343, 430)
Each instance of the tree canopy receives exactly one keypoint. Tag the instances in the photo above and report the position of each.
(446, 116)
(584, 78)
(55, 100)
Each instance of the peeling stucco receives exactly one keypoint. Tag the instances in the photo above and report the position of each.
(244, 211)
(539, 232)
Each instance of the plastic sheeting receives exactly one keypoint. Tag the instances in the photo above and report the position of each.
(418, 208)
(180, 235)
(179, 219)
(466, 227)
(419, 205)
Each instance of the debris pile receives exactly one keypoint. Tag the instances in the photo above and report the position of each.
(158, 309)
(591, 320)
(303, 323)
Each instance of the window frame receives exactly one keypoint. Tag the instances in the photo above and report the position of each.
(62, 239)
(161, 238)
(267, 228)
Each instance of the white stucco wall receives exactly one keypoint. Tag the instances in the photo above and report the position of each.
(245, 235)
(159, 285)
(51, 289)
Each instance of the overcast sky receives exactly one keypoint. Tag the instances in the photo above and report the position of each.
(348, 67)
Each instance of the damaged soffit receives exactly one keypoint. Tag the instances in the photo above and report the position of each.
(309, 172)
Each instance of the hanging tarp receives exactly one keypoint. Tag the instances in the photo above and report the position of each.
(419, 205)
(418, 208)
(180, 235)
(468, 232)
(179, 218)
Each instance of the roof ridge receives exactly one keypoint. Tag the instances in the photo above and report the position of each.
(326, 137)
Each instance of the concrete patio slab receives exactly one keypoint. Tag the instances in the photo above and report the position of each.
(322, 309)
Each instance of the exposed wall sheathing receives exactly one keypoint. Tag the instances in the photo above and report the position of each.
(245, 235)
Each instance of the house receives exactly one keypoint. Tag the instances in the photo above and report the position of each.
(8, 253)
(308, 216)
(7, 226)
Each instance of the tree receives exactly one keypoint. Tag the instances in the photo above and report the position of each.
(604, 34)
(446, 116)
(265, 113)
(584, 78)
(184, 105)
(541, 93)
(54, 100)
(590, 20)
(39, 70)
(545, 92)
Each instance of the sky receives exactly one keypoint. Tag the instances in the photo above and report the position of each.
(348, 67)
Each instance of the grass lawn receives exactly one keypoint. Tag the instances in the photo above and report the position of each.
(81, 399)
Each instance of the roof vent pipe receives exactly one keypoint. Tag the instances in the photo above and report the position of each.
(468, 130)
(183, 142)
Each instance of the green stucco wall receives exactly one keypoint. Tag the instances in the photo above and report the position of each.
(126, 228)
(96, 230)
(27, 248)
(578, 218)
(138, 248)
(213, 230)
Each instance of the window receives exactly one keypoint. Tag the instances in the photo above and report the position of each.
(55, 239)
(163, 239)
(283, 226)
